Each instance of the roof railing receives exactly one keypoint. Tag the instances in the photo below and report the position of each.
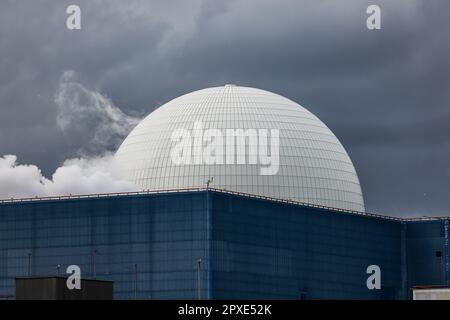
(199, 189)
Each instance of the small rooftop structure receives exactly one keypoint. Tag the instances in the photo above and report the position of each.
(55, 288)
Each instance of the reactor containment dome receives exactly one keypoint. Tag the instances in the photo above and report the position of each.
(313, 166)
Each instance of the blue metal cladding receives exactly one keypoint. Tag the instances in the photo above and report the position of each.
(427, 252)
(268, 250)
(250, 248)
(163, 234)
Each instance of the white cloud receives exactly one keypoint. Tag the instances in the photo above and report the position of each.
(101, 125)
(75, 176)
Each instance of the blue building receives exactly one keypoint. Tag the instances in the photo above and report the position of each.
(251, 247)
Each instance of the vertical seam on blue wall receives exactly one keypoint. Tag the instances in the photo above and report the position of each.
(209, 243)
(446, 253)
(91, 241)
(34, 244)
(404, 268)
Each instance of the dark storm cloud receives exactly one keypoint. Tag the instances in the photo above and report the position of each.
(384, 93)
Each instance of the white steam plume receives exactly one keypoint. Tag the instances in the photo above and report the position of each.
(83, 115)
(90, 117)
(75, 176)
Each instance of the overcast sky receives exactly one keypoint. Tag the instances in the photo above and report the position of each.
(384, 93)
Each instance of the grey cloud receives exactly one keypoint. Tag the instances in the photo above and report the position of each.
(384, 93)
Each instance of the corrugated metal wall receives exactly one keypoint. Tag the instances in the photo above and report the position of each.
(427, 253)
(163, 234)
(270, 250)
(259, 248)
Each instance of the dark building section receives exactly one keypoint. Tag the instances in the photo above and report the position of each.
(265, 250)
(55, 288)
(150, 245)
(427, 253)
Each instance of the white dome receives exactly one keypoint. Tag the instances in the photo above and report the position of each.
(313, 165)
